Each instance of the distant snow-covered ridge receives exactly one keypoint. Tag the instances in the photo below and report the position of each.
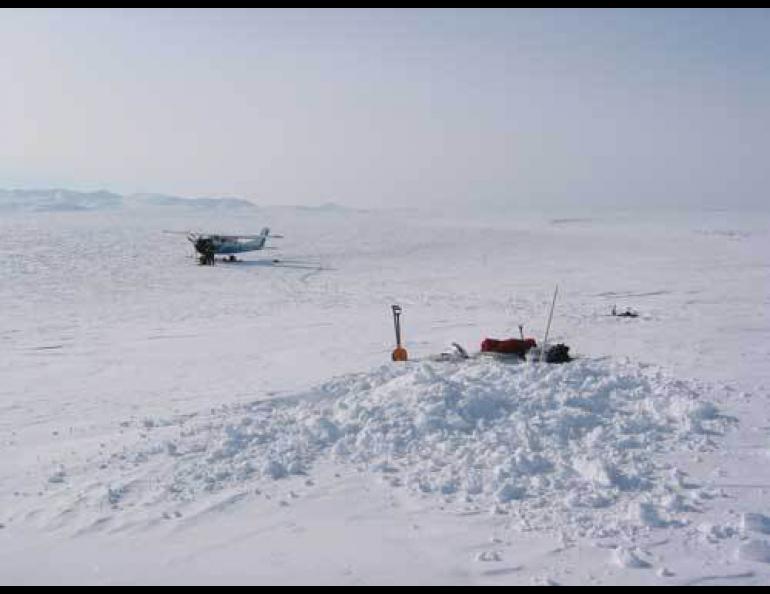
(58, 200)
(163, 200)
(54, 200)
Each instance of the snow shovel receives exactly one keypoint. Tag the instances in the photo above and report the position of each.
(399, 353)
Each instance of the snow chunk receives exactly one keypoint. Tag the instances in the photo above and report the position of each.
(595, 471)
(713, 533)
(487, 556)
(274, 470)
(115, 494)
(752, 522)
(629, 557)
(755, 550)
(509, 491)
(647, 515)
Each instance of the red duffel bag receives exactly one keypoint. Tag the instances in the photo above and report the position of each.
(509, 346)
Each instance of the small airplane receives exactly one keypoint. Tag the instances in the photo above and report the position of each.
(209, 245)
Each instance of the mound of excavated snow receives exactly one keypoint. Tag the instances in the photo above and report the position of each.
(556, 445)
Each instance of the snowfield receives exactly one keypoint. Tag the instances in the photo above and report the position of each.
(169, 423)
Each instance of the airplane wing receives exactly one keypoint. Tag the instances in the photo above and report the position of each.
(270, 236)
(223, 235)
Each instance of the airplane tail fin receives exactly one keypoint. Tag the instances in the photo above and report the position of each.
(266, 234)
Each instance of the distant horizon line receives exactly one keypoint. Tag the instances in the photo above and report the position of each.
(493, 206)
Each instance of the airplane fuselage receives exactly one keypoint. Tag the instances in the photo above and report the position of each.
(224, 244)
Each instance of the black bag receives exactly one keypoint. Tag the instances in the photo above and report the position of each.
(558, 353)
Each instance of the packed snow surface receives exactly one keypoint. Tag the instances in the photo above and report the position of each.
(169, 423)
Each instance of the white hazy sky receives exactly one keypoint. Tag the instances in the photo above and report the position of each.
(391, 107)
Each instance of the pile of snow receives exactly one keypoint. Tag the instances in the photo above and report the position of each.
(575, 446)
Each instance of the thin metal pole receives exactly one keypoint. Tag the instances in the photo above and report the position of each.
(548, 325)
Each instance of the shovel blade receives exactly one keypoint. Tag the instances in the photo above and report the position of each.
(399, 354)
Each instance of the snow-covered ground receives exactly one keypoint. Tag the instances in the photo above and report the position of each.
(169, 423)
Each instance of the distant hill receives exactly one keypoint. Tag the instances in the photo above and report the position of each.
(330, 207)
(225, 203)
(61, 200)
(58, 200)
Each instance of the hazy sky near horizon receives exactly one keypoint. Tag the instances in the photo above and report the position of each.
(378, 107)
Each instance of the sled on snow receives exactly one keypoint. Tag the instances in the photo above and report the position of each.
(507, 351)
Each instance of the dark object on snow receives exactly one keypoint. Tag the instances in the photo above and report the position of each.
(205, 247)
(558, 353)
(510, 346)
(461, 351)
(626, 314)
